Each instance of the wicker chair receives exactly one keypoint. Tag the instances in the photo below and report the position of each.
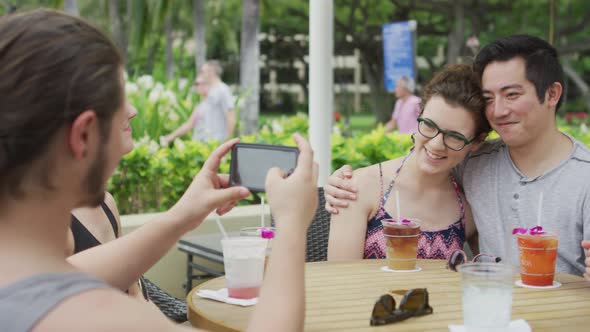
(318, 232)
(170, 306)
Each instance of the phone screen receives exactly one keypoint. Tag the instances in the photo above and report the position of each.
(251, 162)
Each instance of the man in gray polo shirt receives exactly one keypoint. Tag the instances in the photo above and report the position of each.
(522, 81)
(219, 105)
(214, 117)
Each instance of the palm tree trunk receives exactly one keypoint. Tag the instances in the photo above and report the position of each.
(71, 7)
(249, 67)
(117, 26)
(199, 27)
(457, 34)
(380, 99)
(169, 50)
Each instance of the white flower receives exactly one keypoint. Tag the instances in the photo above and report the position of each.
(131, 88)
(154, 96)
(170, 96)
(145, 82)
(336, 130)
(182, 83)
(584, 128)
(179, 144)
(277, 128)
(301, 115)
(154, 147)
(156, 93)
(172, 116)
(143, 141)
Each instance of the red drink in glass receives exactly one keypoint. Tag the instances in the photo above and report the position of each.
(538, 254)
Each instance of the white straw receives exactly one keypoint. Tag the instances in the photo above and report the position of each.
(540, 206)
(399, 218)
(262, 212)
(218, 221)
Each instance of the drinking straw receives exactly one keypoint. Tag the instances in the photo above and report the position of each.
(218, 221)
(539, 206)
(399, 218)
(262, 213)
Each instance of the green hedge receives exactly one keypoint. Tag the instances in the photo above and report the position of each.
(152, 178)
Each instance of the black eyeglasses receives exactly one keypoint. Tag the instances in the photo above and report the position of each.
(414, 303)
(459, 257)
(452, 140)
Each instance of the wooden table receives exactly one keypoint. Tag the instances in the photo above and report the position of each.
(340, 297)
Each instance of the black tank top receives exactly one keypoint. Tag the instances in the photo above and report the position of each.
(83, 239)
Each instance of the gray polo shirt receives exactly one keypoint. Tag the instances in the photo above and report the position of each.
(211, 121)
(502, 198)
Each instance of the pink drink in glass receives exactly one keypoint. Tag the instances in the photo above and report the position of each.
(243, 259)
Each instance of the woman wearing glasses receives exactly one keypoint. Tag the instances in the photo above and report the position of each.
(451, 123)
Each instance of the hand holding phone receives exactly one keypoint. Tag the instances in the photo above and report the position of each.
(250, 163)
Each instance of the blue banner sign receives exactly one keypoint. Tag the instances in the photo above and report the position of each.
(398, 52)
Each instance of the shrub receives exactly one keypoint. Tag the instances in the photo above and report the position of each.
(152, 178)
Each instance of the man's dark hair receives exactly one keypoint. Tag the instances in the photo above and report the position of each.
(458, 85)
(541, 60)
(53, 66)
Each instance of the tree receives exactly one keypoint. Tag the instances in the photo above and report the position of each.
(249, 67)
(199, 34)
(169, 46)
(119, 34)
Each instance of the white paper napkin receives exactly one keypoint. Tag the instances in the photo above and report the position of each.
(221, 295)
(519, 325)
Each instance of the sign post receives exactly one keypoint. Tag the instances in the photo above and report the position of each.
(398, 52)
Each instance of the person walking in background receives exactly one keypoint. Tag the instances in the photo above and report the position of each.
(197, 121)
(214, 117)
(219, 111)
(406, 109)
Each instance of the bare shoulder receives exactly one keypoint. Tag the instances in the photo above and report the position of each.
(110, 201)
(366, 178)
(104, 310)
(368, 182)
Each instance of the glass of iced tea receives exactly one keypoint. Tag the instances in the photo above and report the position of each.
(538, 253)
(401, 241)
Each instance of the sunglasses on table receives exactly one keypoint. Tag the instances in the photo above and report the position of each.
(413, 304)
(459, 257)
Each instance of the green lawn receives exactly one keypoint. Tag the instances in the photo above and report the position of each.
(362, 122)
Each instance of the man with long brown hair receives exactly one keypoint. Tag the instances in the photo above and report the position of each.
(62, 115)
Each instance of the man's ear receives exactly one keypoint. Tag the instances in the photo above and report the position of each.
(80, 132)
(553, 94)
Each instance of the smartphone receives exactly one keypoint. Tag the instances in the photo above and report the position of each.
(250, 163)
